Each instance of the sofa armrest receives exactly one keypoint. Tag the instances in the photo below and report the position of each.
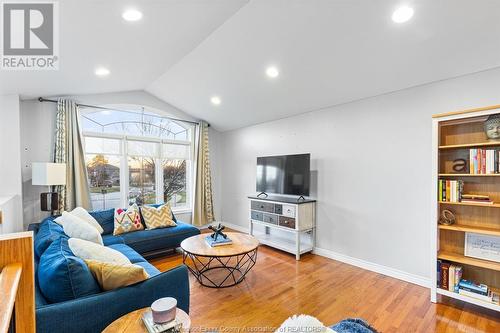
(93, 313)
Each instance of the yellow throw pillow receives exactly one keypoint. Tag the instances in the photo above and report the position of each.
(160, 217)
(112, 276)
(127, 220)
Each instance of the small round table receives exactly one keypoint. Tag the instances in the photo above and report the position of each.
(132, 322)
(220, 266)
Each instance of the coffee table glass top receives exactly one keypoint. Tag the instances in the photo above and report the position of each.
(242, 243)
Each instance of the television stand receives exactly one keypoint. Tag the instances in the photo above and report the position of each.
(262, 193)
(285, 223)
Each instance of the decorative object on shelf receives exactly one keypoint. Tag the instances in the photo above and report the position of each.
(480, 246)
(447, 217)
(492, 127)
(217, 231)
(459, 165)
(48, 174)
(164, 310)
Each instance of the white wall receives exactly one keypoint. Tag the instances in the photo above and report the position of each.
(372, 164)
(10, 164)
(38, 129)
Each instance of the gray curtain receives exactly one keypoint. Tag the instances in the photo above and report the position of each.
(69, 150)
(203, 212)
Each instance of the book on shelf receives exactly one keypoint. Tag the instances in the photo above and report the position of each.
(485, 298)
(445, 267)
(471, 286)
(219, 242)
(483, 161)
(173, 326)
(477, 198)
(450, 190)
(449, 276)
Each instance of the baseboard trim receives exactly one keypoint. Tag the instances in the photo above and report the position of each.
(377, 268)
(236, 227)
(381, 269)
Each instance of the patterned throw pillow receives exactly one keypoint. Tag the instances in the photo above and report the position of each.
(127, 220)
(160, 217)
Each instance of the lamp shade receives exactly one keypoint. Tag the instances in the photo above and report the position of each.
(48, 174)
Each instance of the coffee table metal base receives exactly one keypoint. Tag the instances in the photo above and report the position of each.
(233, 269)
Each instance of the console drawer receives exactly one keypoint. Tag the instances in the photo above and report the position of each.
(288, 210)
(263, 206)
(278, 209)
(270, 218)
(288, 222)
(256, 215)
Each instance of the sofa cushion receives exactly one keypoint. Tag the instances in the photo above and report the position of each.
(83, 214)
(150, 269)
(113, 276)
(76, 227)
(39, 299)
(48, 232)
(111, 239)
(156, 206)
(88, 250)
(127, 220)
(133, 256)
(157, 217)
(105, 218)
(62, 276)
(159, 239)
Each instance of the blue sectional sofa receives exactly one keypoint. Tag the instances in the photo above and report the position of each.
(68, 299)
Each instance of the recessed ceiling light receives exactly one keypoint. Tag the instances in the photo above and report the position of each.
(272, 72)
(102, 71)
(402, 14)
(215, 100)
(132, 15)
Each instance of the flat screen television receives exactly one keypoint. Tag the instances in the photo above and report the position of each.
(287, 174)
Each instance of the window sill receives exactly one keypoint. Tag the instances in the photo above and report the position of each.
(182, 211)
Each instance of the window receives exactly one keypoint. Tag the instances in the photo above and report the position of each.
(137, 157)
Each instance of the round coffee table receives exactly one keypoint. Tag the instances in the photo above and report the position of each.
(132, 322)
(220, 266)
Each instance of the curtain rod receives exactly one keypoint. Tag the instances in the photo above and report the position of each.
(41, 99)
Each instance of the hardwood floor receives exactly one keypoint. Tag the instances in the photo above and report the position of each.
(278, 287)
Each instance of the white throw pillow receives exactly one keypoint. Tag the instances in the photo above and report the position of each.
(77, 228)
(303, 323)
(84, 215)
(91, 251)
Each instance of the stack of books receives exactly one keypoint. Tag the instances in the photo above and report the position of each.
(219, 242)
(450, 190)
(449, 276)
(173, 326)
(477, 198)
(483, 161)
(477, 291)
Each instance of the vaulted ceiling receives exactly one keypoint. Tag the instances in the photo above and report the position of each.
(327, 52)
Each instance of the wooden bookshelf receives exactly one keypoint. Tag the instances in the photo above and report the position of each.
(468, 175)
(454, 134)
(493, 205)
(471, 145)
(469, 261)
(466, 228)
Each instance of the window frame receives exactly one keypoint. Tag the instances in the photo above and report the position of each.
(124, 170)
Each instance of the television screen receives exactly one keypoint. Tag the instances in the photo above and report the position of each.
(288, 174)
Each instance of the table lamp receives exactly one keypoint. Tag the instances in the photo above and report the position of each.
(48, 174)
